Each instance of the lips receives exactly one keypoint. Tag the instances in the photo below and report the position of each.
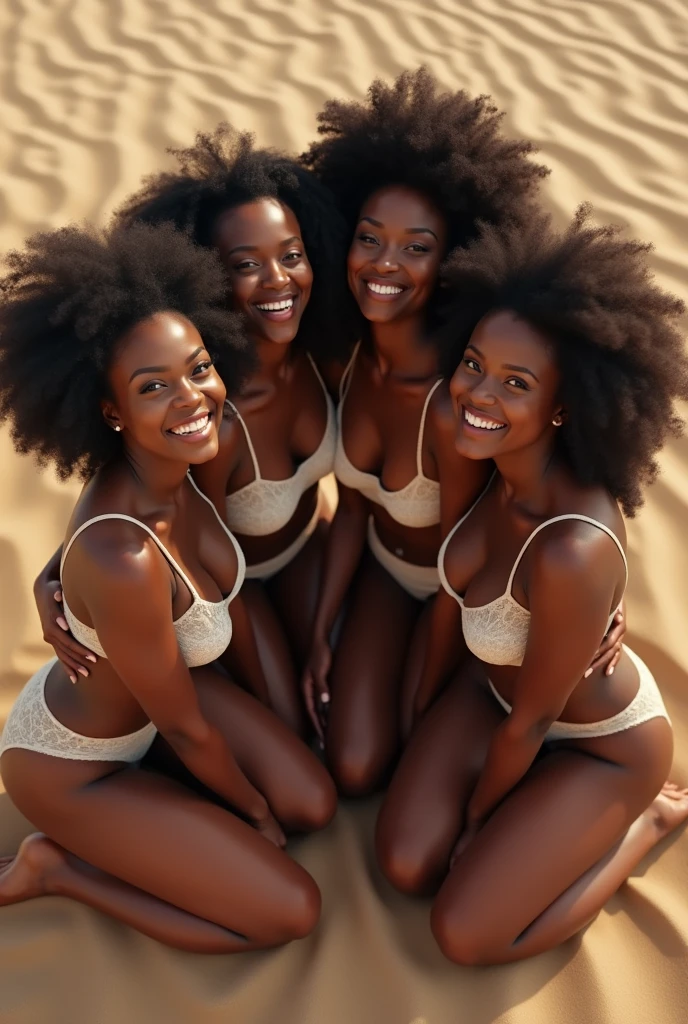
(480, 423)
(277, 309)
(195, 429)
(384, 291)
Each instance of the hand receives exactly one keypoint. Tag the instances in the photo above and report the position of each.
(609, 651)
(316, 692)
(74, 657)
(465, 839)
(270, 828)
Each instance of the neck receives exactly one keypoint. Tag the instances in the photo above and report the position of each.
(273, 360)
(526, 475)
(400, 350)
(158, 482)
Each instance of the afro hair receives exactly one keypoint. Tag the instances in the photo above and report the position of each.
(65, 302)
(224, 170)
(445, 145)
(616, 335)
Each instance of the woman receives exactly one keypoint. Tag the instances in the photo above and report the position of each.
(414, 170)
(532, 780)
(106, 369)
(271, 223)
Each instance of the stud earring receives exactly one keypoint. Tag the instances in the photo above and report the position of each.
(557, 421)
(118, 429)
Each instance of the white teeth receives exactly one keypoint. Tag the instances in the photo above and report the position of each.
(275, 307)
(476, 421)
(191, 428)
(384, 289)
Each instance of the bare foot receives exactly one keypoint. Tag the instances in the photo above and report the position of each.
(27, 875)
(669, 809)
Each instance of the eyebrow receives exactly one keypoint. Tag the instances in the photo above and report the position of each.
(163, 369)
(254, 248)
(505, 366)
(409, 231)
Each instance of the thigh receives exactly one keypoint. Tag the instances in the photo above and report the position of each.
(422, 812)
(567, 813)
(368, 662)
(297, 787)
(276, 656)
(295, 591)
(153, 833)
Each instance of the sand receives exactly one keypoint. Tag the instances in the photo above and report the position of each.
(92, 93)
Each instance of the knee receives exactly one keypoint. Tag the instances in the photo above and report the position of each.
(460, 940)
(404, 867)
(301, 911)
(356, 773)
(316, 804)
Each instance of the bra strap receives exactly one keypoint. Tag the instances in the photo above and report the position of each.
(445, 544)
(346, 376)
(249, 442)
(559, 519)
(137, 522)
(421, 429)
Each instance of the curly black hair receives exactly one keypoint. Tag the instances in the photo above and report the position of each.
(223, 170)
(616, 335)
(445, 145)
(67, 299)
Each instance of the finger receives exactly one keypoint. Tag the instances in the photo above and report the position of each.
(309, 695)
(614, 662)
(67, 645)
(57, 596)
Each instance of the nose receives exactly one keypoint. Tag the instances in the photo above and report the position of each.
(386, 260)
(188, 394)
(483, 392)
(275, 275)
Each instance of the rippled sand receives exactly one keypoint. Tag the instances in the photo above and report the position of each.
(92, 93)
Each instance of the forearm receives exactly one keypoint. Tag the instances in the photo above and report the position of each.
(446, 650)
(213, 764)
(508, 759)
(345, 544)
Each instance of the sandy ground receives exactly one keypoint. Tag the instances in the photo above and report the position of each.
(92, 93)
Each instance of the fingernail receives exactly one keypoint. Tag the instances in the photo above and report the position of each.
(91, 657)
(325, 698)
(82, 670)
(62, 623)
(610, 671)
(57, 595)
(588, 673)
(73, 678)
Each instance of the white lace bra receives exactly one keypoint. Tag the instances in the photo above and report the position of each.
(205, 628)
(497, 632)
(415, 505)
(263, 506)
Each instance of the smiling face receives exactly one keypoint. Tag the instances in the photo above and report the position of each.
(505, 389)
(395, 255)
(271, 279)
(165, 394)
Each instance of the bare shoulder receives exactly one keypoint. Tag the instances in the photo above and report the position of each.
(115, 555)
(581, 547)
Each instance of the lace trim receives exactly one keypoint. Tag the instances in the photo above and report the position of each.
(32, 726)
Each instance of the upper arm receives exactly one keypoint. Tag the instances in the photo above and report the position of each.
(461, 479)
(571, 586)
(129, 601)
(212, 477)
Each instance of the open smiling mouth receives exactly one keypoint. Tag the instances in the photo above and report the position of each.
(280, 310)
(195, 430)
(386, 292)
(483, 423)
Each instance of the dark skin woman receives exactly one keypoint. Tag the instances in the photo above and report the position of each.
(107, 370)
(531, 788)
(414, 170)
(282, 244)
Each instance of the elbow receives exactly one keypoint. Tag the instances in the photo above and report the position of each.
(519, 730)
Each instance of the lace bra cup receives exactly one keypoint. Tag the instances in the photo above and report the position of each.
(415, 505)
(497, 632)
(205, 628)
(265, 506)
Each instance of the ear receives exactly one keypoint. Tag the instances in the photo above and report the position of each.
(110, 415)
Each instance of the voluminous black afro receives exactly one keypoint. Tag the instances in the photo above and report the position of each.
(67, 299)
(223, 170)
(616, 334)
(445, 145)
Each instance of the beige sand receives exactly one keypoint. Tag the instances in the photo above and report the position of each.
(92, 92)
